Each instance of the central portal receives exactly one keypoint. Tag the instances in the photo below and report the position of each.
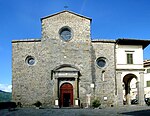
(66, 95)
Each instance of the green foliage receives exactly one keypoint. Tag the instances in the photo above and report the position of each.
(5, 96)
(148, 102)
(96, 103)
(37, 104)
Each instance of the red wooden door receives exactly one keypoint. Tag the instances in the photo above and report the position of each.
(66, 95)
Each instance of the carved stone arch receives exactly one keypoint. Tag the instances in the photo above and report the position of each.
(65, 66)
(128, 77)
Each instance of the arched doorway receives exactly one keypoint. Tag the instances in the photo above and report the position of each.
(66, 95)
(128, 87)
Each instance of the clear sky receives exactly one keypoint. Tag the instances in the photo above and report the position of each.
(111, 19)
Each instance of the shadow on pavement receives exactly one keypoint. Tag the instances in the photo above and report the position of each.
(138, 113)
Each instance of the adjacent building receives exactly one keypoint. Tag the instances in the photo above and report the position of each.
(133, 85)
(147, 79)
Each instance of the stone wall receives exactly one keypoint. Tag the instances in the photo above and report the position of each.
(76, 52)
(31, 83)
(51, 26)
(105, 77)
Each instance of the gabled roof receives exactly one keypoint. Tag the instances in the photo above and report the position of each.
(68, 12)
(123, 41)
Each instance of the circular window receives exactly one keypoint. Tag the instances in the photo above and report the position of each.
(101, 62)
(30, 60)
(65, 33)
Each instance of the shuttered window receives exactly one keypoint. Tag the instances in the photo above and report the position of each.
(148, 83)
(148, 70)
(129, 58)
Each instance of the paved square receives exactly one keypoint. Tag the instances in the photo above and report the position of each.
(114, 111)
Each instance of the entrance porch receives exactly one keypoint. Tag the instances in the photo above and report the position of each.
(66, 86)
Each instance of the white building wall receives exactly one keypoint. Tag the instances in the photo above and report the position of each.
(121, 56)
(121, 63)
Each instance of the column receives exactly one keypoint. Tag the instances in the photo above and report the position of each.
(76, 102)
(141, 89)
(128, 96)
(56, 103)
(119, 89)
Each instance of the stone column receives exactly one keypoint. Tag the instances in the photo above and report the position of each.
(56, 88)
(119, 89)
(56, 103)
(75, 87)
(88, 100)
(76, 100)
(128, 96)
(141, 89)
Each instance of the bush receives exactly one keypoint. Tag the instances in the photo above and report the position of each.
(8, 105)
(37, 104)
(96, 103)
(148, 102)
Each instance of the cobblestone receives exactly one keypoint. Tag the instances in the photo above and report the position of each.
(113, 111)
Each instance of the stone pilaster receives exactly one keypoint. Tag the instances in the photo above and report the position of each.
(76, 99)
(119, 89)
(141, 89)
(56, 103)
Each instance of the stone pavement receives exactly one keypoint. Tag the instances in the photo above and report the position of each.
(113, 111)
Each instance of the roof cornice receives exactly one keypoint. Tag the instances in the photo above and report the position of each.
(64, 12)
(103, 41)
(26, 40)
(124, 41)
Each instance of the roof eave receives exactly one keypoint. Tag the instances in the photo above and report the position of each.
(104, 40)
(123, 41)
(26, 40)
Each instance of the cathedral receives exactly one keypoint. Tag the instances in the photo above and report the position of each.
(66, 68)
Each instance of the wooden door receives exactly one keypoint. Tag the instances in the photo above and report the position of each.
(66, 95)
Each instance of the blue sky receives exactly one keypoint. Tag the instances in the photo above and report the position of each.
(111, 19)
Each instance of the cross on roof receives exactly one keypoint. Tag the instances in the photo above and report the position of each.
(66, 7)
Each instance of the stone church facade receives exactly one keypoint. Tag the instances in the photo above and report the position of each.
(66, 68)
